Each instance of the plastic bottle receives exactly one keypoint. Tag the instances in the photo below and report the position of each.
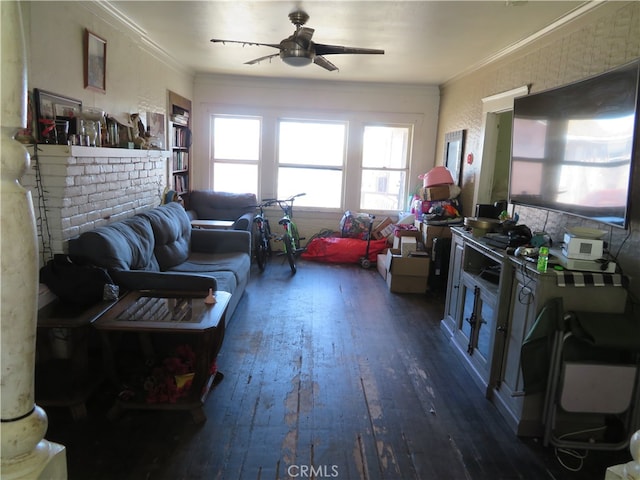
(543, 259)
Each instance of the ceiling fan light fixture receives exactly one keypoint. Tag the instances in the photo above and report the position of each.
(297, 61)
(298, 50)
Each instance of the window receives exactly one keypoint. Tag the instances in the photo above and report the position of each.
(385, 163)
(311, 158)
(357, 161)
(236, 153)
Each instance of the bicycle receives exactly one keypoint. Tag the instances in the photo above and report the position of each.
(262, 243)
(291, 237)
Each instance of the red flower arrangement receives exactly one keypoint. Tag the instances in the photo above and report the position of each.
(171, 380)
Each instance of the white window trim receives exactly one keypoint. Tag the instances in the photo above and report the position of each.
(267, 169)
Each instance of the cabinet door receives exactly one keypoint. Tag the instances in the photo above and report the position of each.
(476, 328)
(452, 302)
(522, 312)
(466, 321)
(485, 331)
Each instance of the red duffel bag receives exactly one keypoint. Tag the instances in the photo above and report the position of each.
(342, 250)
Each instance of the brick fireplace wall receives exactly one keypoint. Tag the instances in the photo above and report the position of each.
(81, 188)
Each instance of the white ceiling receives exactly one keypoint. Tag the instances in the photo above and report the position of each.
(425, 42)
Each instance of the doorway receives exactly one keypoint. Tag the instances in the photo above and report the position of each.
(493, 181)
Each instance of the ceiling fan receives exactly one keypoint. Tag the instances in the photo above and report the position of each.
(299, 50)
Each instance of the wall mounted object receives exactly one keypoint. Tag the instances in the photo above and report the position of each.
(95, 62)
(453, 148)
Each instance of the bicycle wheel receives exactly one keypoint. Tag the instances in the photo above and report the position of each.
(290, 251)
(261, 253)
(293, 229)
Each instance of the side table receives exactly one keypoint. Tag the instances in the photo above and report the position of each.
(162, 321)
(64, 373)
(212, 224)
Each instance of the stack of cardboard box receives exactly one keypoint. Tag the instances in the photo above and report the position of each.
(405, 267)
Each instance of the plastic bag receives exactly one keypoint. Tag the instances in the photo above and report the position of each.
(354, 225)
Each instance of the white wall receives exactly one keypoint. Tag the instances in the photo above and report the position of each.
(137, 76)
(280, 97)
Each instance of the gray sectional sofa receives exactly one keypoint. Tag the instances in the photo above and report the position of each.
(158, 250)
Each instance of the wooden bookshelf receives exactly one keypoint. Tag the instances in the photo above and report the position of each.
(181, 141)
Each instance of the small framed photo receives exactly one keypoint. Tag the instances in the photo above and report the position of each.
(51, 107)
(95, 62)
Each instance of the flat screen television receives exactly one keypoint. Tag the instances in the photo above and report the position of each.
(572, 147)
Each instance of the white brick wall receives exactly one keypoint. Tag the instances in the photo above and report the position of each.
(85, 187)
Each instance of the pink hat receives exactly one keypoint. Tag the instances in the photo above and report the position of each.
(437, 176)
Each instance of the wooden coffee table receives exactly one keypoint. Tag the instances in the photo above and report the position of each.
(164, 323)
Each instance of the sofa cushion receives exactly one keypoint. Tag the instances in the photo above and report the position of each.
(210, 205)
(124, 245)
(172, 231)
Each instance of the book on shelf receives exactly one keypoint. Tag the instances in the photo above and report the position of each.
(181, 183)
(180, 119)
(180, 160)
(181, 137)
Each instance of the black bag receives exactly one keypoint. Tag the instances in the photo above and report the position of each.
(74, 281)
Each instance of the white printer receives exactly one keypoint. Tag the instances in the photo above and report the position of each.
(583, 249)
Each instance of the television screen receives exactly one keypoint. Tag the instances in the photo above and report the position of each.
(572, 147)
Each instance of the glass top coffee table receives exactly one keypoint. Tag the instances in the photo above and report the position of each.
(160, 349)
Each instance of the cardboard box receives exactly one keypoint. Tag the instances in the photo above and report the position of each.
(408, 245)
(439, 192)
(407, 274)
(399, 234)
(381, 265)
(400, 284)
(429, 232)
(383, 229)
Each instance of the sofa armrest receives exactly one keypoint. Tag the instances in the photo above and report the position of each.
(146, 280)
(192, 214)
(220, 241)
(244, 222)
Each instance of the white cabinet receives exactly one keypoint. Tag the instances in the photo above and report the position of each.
(492, 302)
(472, 306)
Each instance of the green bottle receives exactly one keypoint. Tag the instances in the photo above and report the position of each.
(543, 259)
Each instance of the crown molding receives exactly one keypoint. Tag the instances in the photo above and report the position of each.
(111, 15)
(576, 13)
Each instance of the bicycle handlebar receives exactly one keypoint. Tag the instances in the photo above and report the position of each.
(267, 202)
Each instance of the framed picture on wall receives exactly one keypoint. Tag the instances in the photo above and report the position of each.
(95, 62)
(51, 107)
(453, 148)
(156, 124)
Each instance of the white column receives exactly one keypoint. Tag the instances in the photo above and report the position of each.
(24, 452)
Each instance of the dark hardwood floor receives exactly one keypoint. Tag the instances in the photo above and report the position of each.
(327, 375)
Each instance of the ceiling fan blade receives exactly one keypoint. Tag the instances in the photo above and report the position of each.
(324, 63)
(274, 45)
(304, 33)
(258, 60)
(322, 49)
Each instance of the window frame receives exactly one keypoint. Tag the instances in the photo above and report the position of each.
(408, 161)
(352, 172)
(228, 161)
(342, 168)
